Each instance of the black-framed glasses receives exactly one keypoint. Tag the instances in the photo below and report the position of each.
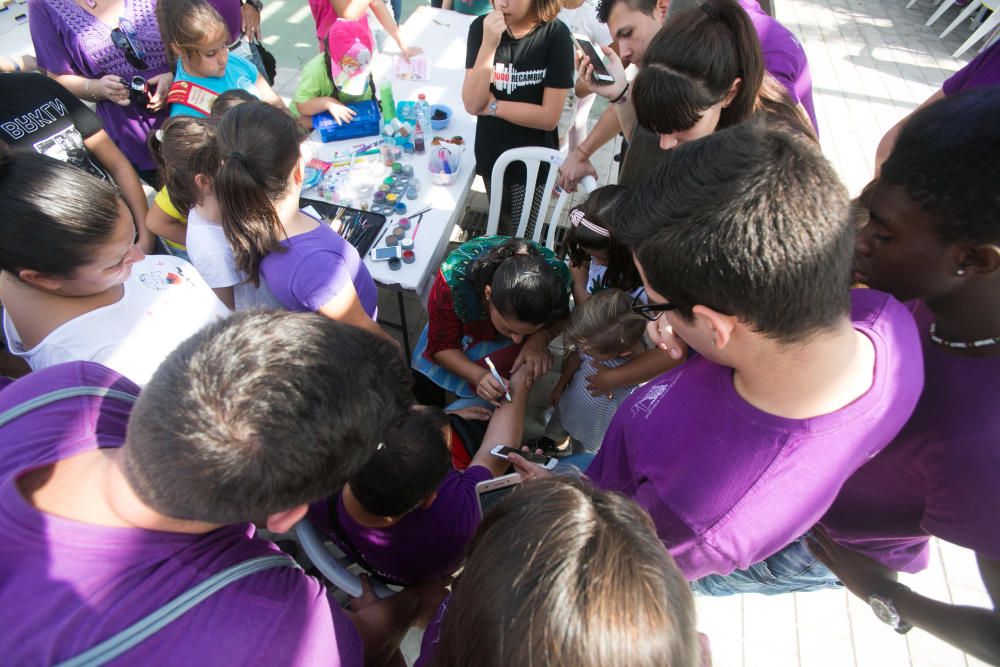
(127, 41)
(651, 311)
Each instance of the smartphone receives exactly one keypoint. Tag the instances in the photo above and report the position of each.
(545, 461)
(387, 253)
(601, 73)
(489, 492)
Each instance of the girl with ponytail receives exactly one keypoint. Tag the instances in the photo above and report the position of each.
(306, 265)
(704, 71)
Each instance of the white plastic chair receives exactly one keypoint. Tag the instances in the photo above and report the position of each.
(939, 12)
(333, 568)
(991, 24)
(532, 157)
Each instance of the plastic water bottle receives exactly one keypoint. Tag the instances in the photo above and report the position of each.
(422, 113)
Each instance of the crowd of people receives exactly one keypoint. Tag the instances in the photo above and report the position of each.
(768, 387)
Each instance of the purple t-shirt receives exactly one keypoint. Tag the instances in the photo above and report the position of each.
(231, 13)
(727, 484)
(68, 40)
(938, 477)
(314, 268)
(68, 586)
(982, 71)
(432, 635)
(424, 545)
(784, 57)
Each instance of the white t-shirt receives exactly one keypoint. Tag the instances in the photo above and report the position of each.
(164, 302)
(583, 21)
(212, 255)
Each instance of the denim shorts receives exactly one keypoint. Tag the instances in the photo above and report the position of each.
(794, 569)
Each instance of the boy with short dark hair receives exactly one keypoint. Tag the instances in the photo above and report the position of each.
(744, 245)
(406, 515)
(933, 239)
(110, 512)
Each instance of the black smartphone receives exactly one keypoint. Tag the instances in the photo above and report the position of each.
(601, 73)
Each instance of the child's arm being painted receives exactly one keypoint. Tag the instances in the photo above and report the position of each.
(642, 368)
(506, 426)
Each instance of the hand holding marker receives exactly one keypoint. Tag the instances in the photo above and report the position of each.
(496, 376)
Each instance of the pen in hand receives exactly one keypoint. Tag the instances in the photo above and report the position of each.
(496, 376)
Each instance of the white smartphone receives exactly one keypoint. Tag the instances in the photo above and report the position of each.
(386, 253)
(489, 492)
(546, 462)
(601, 73)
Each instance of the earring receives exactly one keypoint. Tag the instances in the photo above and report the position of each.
(959, 272)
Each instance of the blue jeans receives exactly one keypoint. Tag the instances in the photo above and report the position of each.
(579, 462)
(792, 570)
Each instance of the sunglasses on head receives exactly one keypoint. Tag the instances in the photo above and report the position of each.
(125, 40)
(651, 311)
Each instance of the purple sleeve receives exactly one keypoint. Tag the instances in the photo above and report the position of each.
(231, 13)
(982, 71)
(50, 49)
(962, 487)
(319, 278)
(314, 630)
(610, 468)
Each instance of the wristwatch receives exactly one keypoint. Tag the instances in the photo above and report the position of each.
(885, 610)
(493, 108)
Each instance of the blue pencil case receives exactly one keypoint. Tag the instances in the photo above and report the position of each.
(367, 122)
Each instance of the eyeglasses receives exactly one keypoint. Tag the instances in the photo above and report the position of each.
(127, 41)
(651, 311)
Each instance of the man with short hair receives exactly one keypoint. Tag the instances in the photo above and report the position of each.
(796, 383)
(111, 511)
(633, 23)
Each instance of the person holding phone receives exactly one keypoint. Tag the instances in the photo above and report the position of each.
(633, 24)
(581, 17)
(519, 69)
(406, 515)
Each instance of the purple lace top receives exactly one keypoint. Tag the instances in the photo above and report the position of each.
(69, 40)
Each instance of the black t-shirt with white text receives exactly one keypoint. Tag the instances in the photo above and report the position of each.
(522, 70)
(37, 113)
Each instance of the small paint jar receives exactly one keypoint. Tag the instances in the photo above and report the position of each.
(395, 264)
(406, 244)
(391, 198)
(409, 257)
(403, 223)
(400, 210)
(385, 154)
(379, 195)
(391, 240)
(407, 170)
(398, 232)
(397, 168)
